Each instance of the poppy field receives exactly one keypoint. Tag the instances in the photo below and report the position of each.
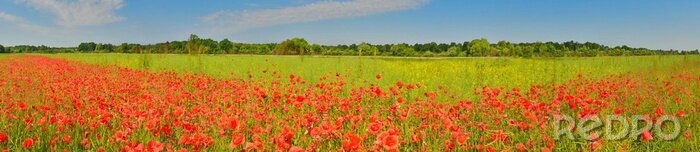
(114, 102)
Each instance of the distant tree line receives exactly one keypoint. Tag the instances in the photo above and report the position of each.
(299, 46)
(34, 49)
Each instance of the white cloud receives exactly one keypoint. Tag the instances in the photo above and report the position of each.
(72, 13)
(235, 21)
(9, 17)
(29, 27)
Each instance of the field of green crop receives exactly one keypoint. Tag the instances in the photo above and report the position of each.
(460, 74)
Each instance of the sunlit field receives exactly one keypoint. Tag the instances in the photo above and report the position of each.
(137, 102)
(457, 74)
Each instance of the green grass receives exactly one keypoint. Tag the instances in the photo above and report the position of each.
(458, 74)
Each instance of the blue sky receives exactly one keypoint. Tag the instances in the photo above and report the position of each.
(656, 24)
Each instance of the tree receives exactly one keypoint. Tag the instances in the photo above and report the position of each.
(134, 48)
(374, 50)
(203, 49)
(432, 46)
(402, 50)
(193, 45)
(315, 49)
(294, 46)
(479, 47)
(177, 47)
(442, 47)
(108, 47)
(137, 48)
(225, 46)
(505, 47)
(164, 48)
(363, 47)
(465, 47)
(123, 48)
(453, 51)
(210, 44)
(99, 47)
(87, 47)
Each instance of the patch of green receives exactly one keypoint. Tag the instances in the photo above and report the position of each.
(456, 74)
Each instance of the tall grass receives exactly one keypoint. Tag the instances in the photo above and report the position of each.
(460, 74)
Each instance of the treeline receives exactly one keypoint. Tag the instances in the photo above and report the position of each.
(34, 49)
(298, 46)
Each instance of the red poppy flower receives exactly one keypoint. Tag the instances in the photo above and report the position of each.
(85, 144)
(646, 136)
(66, 139)
(284, 138)
(595, 144)
(232, 123)
(545, 149)
(390, 142)
(3, 137)
(374, 127)
(399, 84)
(680, 113)
(237, 140)
(155, 146)
(659, 112)
(351, 142)
(461, 138)
(296, 149)
(27, 143)
(520, 147)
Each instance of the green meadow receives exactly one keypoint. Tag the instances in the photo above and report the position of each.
(459, 74)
